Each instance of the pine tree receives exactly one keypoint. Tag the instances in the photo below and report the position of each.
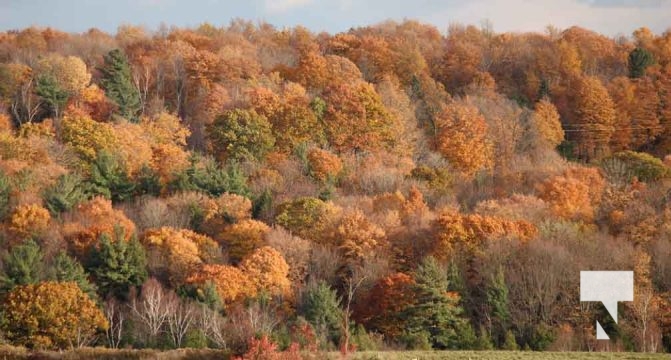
(68, 191)
(321, 307)
(639, 60)
(5, 190)
(110, 179)
(118, 265)
(497, 302)
(48, 89)
(66, 269)
(437, 311)
(23, 265)
(117, 81)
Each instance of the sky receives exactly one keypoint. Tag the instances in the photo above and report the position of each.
(609, 17)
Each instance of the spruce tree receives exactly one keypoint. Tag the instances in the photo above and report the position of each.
(5, 190)
(497, 303)
(110, 179)
(65, 268)
(321, 308)
(639, 60)
(118, 264)
(22, 266)
(436, 311)
(48, 89)
(117, 81)
(68, 191)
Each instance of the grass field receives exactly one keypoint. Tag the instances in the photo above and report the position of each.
(10, 352)
(494, 355)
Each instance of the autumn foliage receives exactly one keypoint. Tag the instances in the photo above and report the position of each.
(276, 192)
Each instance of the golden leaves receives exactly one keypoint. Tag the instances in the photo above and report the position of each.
(51, 315)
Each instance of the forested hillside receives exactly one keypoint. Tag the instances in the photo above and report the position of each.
(392, 187)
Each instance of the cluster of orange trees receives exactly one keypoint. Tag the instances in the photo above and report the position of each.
(248, 188)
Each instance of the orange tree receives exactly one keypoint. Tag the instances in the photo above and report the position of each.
(53, 315)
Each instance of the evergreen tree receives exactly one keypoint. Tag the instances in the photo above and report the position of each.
(65, 268)
(109, 178)
(68, 191)
(510, 343)
(211, 178)
(497, 303)
(321, 308)
(118, 265)
(48, 89)
(117, 81)
(436, 311)
(5, 190)
(23, 265)
(544, 90)
(639, 60)
(148, 182)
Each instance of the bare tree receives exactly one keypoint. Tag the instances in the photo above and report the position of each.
(152, 307)
(182, 315)
(115, 318)
(213, 326)
(353, 283)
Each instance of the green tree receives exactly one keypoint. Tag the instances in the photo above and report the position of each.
(48, 89)
(117, 81)
(148, 182)
(68, 191)
(118, 265)
(5, 190)
(436, 311)
(497, 304)
(67, 269)
(110, 179)
(23, 265)
(639, 60)
(205, 175)
(240, 135)
(643, 166)
(320, 306)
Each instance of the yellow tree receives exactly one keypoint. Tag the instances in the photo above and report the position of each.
(69, 72)
(177, 252)
(225, 210)
(231, 283)
(356, 119)
(51, 315)
(455, 232)
(267, 270)
(594, 118)
(623, 93)
(461, 138)
(28, 221)
(546, 121)
(241, 238)
(357, 237)
(87, 136)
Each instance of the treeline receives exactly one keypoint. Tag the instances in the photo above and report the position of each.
(281, 192)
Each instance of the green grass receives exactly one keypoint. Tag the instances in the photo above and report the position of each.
(495, 355)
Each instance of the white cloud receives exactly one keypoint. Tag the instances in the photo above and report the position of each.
(278, 6)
